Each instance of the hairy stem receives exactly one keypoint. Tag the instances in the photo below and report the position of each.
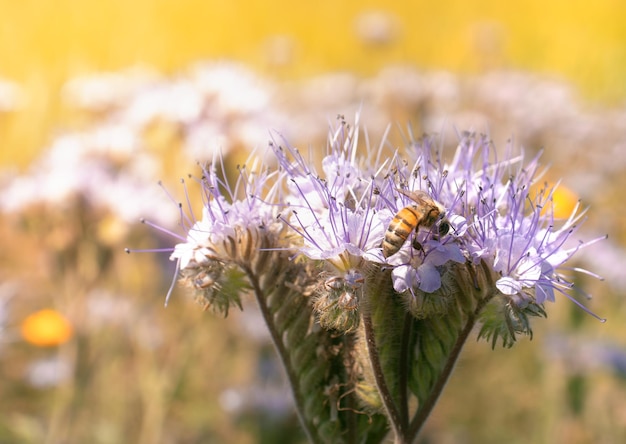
(424, 410)
(381, 384)
(298, 397)
(404, 370)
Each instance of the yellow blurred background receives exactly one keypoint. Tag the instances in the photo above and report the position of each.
(127, 370)
(44, 44)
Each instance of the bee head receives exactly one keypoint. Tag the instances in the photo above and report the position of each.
(443, 228)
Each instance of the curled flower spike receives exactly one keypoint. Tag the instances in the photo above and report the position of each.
(372, 268)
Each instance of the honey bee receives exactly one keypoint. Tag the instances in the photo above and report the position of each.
(425, 212)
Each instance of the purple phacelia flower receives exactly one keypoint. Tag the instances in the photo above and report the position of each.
(338, 214)
(411, 249)
(333, 212)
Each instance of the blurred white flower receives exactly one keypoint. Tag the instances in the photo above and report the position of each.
(11, 96)
(49, 372)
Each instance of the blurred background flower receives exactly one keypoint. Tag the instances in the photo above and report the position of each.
(100, 100)
(46, 328)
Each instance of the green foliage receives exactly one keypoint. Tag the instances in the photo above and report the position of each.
(217, 286)
(315, 358)
(355, 355)
(334, 314)
(387, 317)
(503, 319)
(433, 340)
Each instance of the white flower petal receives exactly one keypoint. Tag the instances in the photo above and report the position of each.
(508, 285)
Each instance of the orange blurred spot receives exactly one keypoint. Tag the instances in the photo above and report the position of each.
(564, 200)
(46, 328)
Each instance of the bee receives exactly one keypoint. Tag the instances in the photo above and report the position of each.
(425, 212)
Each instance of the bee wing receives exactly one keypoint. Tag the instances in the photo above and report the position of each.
(419, 196)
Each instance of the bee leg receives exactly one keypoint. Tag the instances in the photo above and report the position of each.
(416, 245)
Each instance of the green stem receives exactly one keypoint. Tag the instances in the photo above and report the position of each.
(383, 389)
(424, 410)
(309, 429)
(352, 432)
(403, 377)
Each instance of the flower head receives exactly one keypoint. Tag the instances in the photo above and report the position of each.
(234, 234)
(495, 221)
(512, 230)
(409, 248)
(472, 223)
(334, 212)
(310, 234)
(224, 217)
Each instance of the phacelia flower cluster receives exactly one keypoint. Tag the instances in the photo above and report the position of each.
(371, 267)
(335, 212)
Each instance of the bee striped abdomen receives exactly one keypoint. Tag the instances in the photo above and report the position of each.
(403, 223)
